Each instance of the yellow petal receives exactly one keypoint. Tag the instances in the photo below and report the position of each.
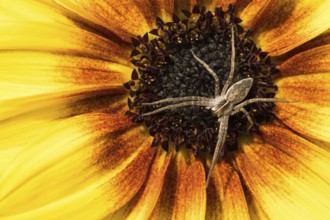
(310, 114)
(55, 106)
(7, 155)
(316, 60)
(59, 176)
(123, 19)
(283, 187)
(16, 130)
(225, 195)
(184, 194)
(60, 39)
(31, 10)
(26, 74)
(291, 23)
(14, 135)
(54, 55)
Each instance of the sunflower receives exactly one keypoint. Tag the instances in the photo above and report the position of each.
(72, 148)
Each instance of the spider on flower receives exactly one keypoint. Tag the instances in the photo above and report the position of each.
(224, 104)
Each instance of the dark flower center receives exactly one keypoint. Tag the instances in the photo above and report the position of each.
(166, 68)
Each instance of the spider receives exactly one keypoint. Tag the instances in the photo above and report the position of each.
(225, 103)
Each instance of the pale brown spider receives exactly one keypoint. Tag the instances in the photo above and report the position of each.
(223, 105)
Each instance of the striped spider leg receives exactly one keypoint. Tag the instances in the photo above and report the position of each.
(223, 105)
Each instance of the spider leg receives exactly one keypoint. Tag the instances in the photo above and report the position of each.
(249, 101)
(219, 147)
(208, 68)
(179, 99)
(232, 64)
(178, 105)
(247, 115)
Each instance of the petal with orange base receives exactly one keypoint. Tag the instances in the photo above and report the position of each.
(291, 23)
(143, 203)
(316, 60)
(47, 30)
(305, 152)
(225, 195)
(122, 19)
(164, 8)
(283, 187)
(310, 114)
(184, 193)
(25, 74)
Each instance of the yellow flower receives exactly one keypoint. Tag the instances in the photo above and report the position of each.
(68, 151)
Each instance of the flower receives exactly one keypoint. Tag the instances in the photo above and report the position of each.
(68, 151)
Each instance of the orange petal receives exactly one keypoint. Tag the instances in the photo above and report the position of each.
(190, 193)
(127, 183)
(122, 19)
(88, 72)
(224, 4)
(184, 195)
(316, 60)
(283, 187)
(306, 153)
(310, 115)
(255, 12)
(116, 146)
(319, 41)
(209, 4)
(165, 9)
(291, 23)
(225, 195)
(184, 5)
(147, 9)
(251, 12)
(112, 119)
(212, 4)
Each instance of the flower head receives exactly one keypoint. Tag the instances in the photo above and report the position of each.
(68, 150)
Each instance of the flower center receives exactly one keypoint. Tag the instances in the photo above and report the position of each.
(169, 64)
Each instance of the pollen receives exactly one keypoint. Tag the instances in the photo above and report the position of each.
(169, 64)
